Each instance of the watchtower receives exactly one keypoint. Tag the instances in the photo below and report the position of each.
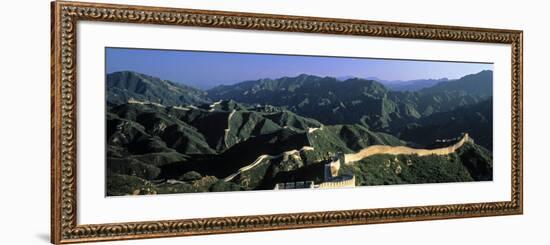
(332, 167)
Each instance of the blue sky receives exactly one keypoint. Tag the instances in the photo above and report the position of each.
(208, 69)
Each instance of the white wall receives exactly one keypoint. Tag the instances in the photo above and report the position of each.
(24, 209)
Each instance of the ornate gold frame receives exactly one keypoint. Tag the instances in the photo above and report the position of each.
(65, 15)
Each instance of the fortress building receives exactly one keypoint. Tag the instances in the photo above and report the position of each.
(332, 177)
(295, 185)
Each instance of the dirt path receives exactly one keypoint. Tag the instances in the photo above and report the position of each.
(398, 150)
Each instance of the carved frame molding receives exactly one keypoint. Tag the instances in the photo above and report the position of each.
(65, 16)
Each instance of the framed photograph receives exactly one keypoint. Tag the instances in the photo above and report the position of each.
(175, 122)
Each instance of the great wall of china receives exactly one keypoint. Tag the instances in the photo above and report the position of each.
(333, 180)
(349, 181)
(259, 160)
(404, 150)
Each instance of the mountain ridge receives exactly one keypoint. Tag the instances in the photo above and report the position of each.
(125, 85)
(355, 100)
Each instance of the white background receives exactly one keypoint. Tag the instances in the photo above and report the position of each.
(94, 208)
(25, 121)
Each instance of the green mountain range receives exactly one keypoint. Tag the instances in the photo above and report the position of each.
(164, 137)
(359, 101)
(477, 119)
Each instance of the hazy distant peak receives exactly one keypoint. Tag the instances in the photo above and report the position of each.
(344, 78)
(480, 83)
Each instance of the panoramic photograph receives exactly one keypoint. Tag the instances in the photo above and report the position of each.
(182, 121)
